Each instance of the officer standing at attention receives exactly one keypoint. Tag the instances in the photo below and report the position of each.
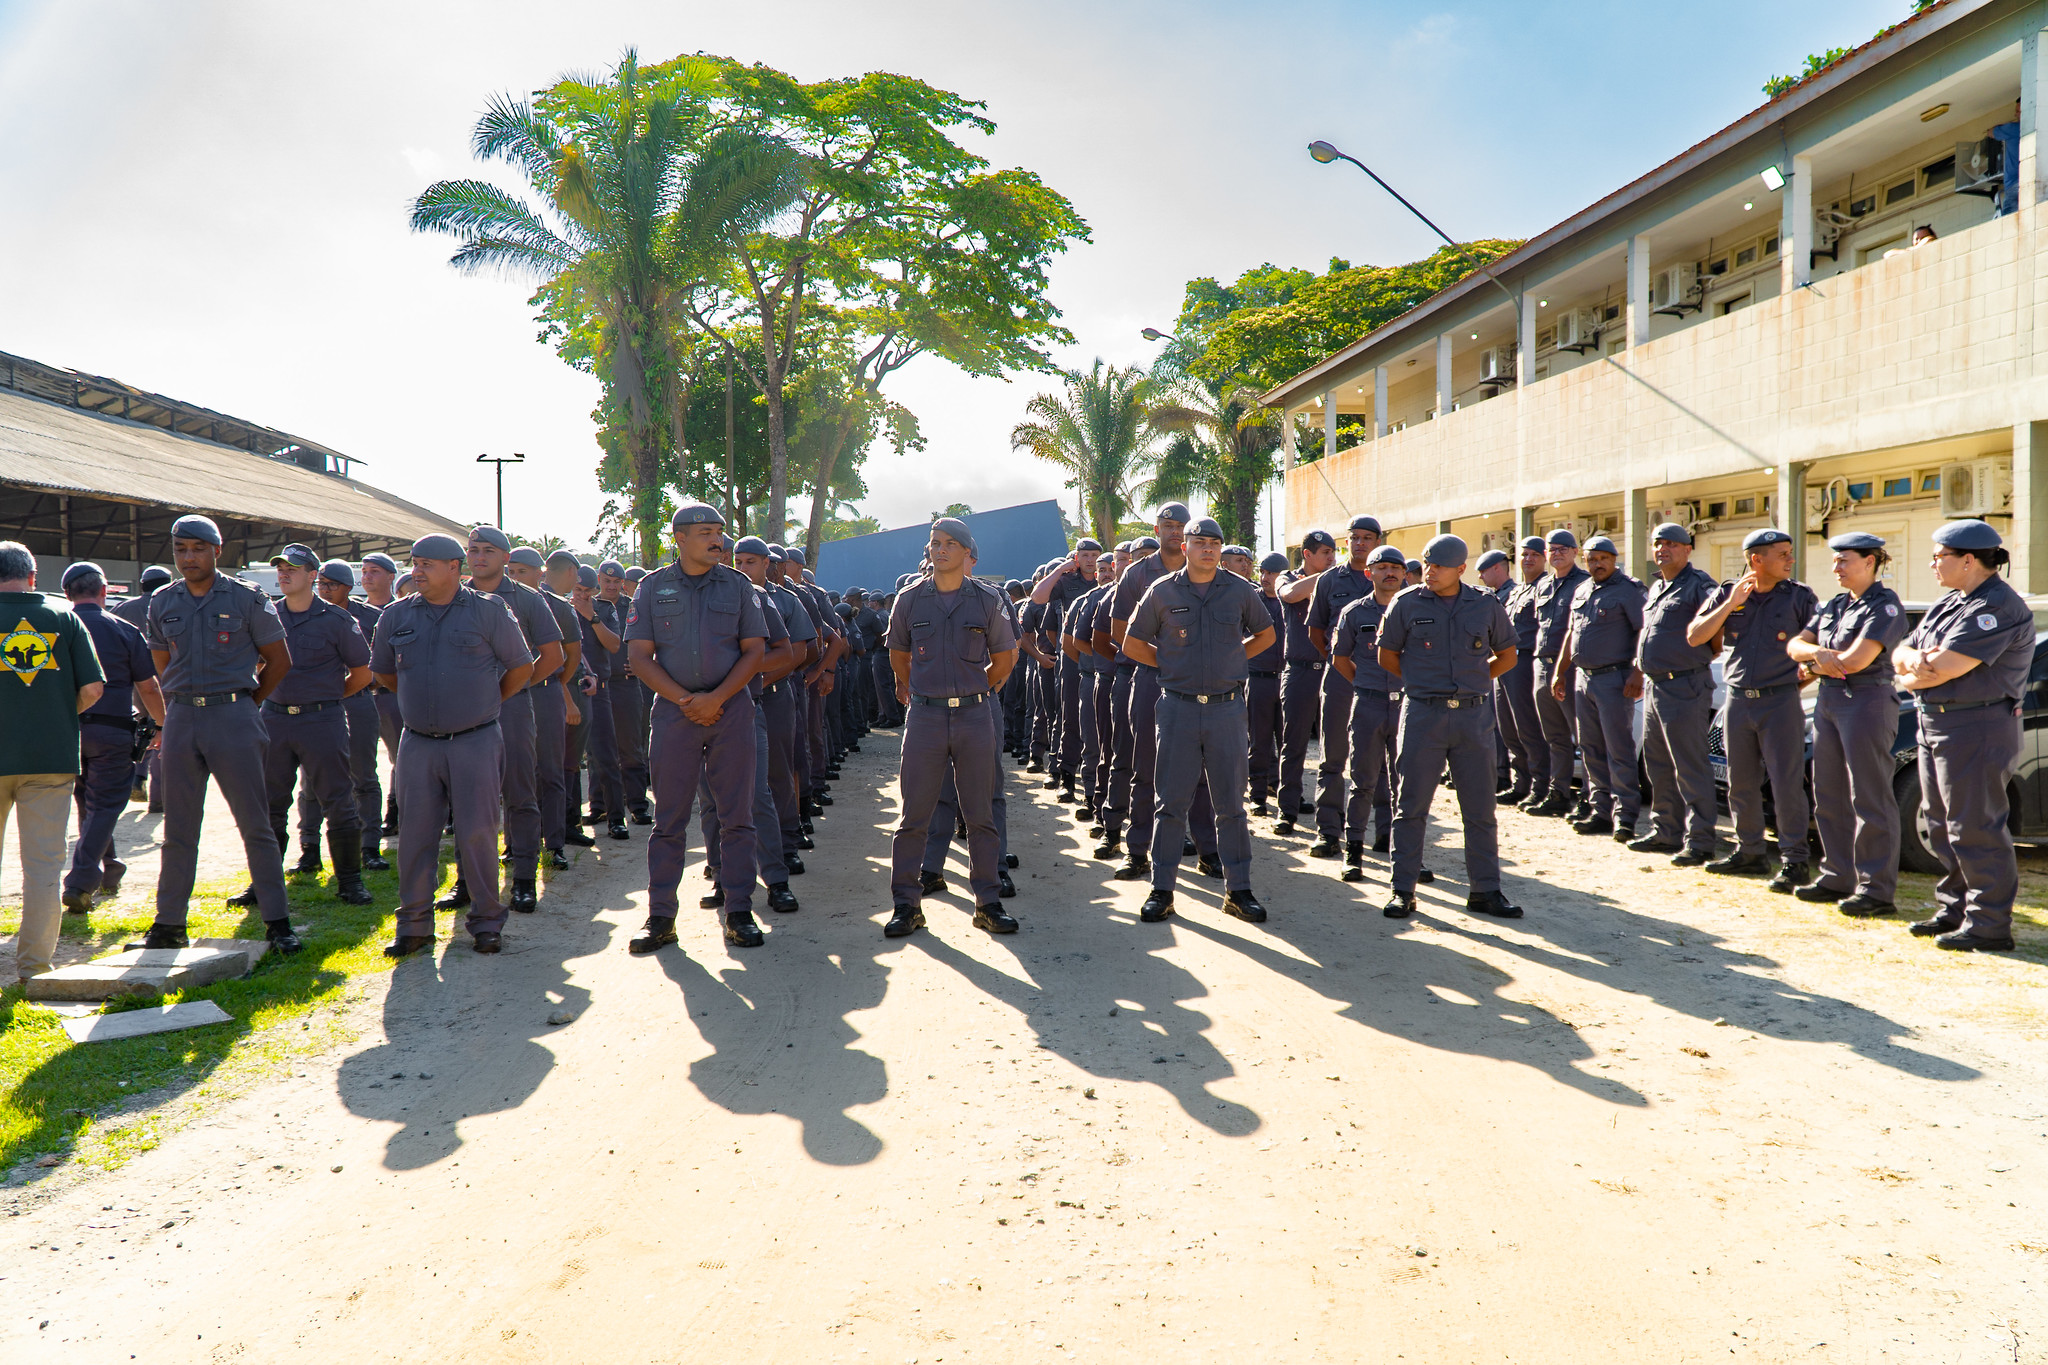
(1077, 643)
(1301, 678)
(1679, 705)
(1069, 581)
(592, 732)
(1518, 685)
(1497, 576)
(696, 636)
(627, 712)
(1555, 707)
(1262, 689)
(380, 580)
(106, 736)
(1376, 710)
(1849, 644)
(782, 684)
(1598, 662)
(1199, 626)
(1966, 663)
(489, 551)
(1336, 589)
(951, 646)
(1109, 570)
(551, 705)
(219, 651)
(1447, 642)
(135, 611)
(750, 556)
(1755, 617)
(365, 726)
(453, 657)
(1169, 557)
(873, 624)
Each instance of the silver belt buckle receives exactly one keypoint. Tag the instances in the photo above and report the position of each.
(1750, 694)
(291, 710)
(1453, 703)
(953, 702)
(1203, 700)
(199, 701)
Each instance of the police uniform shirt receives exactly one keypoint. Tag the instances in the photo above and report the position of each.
(603, 663)
(778, 631)
(696, 622)
(1080, 627)
(1607, 617)
(325, 643)
(1446, 644)
(214, 640)
(1992, 625)
(565, 625)
(1199, 630)
(1754, 635)
(133, 610)
(1845, 621)
(950, 636)
(1358, 639)
(1337, 589)
(1269, 660)
(873, 626)
(530, 610)
(1296, 645)
(1521, 604)
(124, 659)
(1071, 585)
(1668, 611)
(1131, 589)
(448, 658)
(796, 618)
(1553, 599)
(366, 617)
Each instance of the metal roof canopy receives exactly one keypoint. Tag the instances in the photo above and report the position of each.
(1011, 543)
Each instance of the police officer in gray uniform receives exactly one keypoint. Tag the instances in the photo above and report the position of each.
(1967, 663)
(1555, 708)
(219, 651)
(1497, 576)
(630, 703)
(1301, 676)
(951, 645)
(1199, 626)
(1171, 555)
(106, 737)
(1599, 663)
(1263, 690)
(1375, 711)
(453, 657)
(379, 575)
(1848, 644)
(135, 611)
(1335, 589)
(550, 697)
(1515, 690)
(1764, 733)
(696, 636)
(1678, 704)
(1447, 641)
(365, 728)
(592, 733)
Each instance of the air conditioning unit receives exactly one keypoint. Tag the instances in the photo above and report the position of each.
(1980, 167)
(1578, 329)
(1976, 488)
(1497, 365)
(1676, 290)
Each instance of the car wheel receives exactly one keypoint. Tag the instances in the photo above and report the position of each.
(1915, 853)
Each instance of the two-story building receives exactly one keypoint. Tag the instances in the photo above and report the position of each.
(1755, 333)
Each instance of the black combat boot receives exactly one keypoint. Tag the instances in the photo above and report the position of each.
(346, 848)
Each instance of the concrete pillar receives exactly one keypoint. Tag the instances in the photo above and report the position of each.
(1795, 227)
(2028, 540)
(1788, 509)
(1444, 394)
(2033, 186)
(1379, 400)
(1525, 524)
(1638, 290)
(1329, 424)
(1525, 341)
(1635, 532)
(1286, 441)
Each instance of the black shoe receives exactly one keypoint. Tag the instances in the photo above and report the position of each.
(243, 899)
(1244, 905)
(1819, 893)
(1136, 868)
(487, 943)
(309, 864)
(1550, 805)
(1739, 863)
(713, 901)
(1624, 834)
(282, 939)
(1110, 847)
(1383, 841)
(1260, 807)
(1595, 824)
(1425, 876)
(1034, 766)
(995, 919)
(1791, 876)
(1209, 865)
(1354, 861)
(1860, 906)
(1188, 849)
(1926, 928)
(811, 809)
(1516, 795)
(1650, 843)
(349, 889)
(1006, 888)
(166, 936)
(931, 884)
(1501, 788)
(374, 860)
(458, 899)
(1157, 907)
(524, 898)
(906, 920)
(741, 931)
(1960, 942)
(659, 932)
(579, 838)
(617, 830)
(78, 902)
(641, 817)
(822, 799)
(1492, 903)
(806, 842)
(557, 861)
(1010, 860)
(1284, 825)
(781, 899)
(408, 944)
(1398, 906)
(1694, 857)
(793, 864)
(1084, 814)
(1327, 847)
(1580, 811)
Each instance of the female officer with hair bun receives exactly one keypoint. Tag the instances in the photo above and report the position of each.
(1848, 644)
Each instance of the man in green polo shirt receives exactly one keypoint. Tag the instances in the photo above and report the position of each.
(48, 674)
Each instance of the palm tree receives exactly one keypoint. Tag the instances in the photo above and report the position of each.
(1100, 432)
(637, 192)
(1222, 450)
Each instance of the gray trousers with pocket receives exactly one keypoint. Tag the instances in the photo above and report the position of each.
(1677, 713)
(1432, 735)
(225, 742)
(1856, 810)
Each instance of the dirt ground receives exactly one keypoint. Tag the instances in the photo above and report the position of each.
(1328, 1138)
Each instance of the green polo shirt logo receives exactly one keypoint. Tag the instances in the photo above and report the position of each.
(26, 651)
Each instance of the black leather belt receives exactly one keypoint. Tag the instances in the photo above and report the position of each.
(1126, 665)
(1382, 693)
(1942, 708)
(452, 734)
(1263, 673)
(304, 708)
(1206, 698)
(1673, 674)
(1754, 693)
(1607, 668)
(1304, 663)
(123, 722)
(548, 681)
(206, 698)
(1451, 703)
(951, 703)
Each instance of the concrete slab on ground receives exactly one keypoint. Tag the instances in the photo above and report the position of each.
(102, 1028)
(142, 971)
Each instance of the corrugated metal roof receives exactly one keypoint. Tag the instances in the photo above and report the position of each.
(1010, 541)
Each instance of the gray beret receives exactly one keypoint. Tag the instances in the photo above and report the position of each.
(1415, 565)
(1237, 550)
(530, 557)
(1123, 547)
(1087, 543)
(1601, 543)
(612, 567)
(1319, 540)
(1533, 543)
(1672, 532)
(155, 575)
(338, 571)
(491, 535)
(751, 545)
(1014, 585)
(1967, 535)
(1446, 552)
(195, 527)
(844, 612)
(381, 560)
(1371, 524)
(957, 529)
(1491, 558)
(634, 573)
(904, 580)
(1174, 511)
(562, 559)
(1857, 540)
(696, 514)
(298, 556)
(1207, 529)
(1273, 562)
(777, 555)
(586, 577)
(1766, 536)
(438, 546)
(1144, 545)
(85, 568)
(1563, 537)
(1386, 554)
(795, 554)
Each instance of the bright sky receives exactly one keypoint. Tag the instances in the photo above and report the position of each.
(209, 199)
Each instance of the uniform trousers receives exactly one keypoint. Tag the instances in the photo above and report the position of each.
(1677, 713)
(882, 677)
(1145, 737)
(779, 708)
(365, 728)
(1765, 737)
(938, 742)
(1966, 760)
(1607, 738)
(629, 735)
(1375, 725)
(1104, 687)
(1262, 724)
(1123, 743)
(105, 780)
(1433, 734)
(1202, 757)
(1045, 708)
(683, 755)
(1087, 750)
(309, 748)
(1854, 728)
(550, 746)
(594, 738)
(458, 780)
(1016, 713)
(1337, 695)
(1070, 716)
(224, 742)
(812, 703)
(769, 866)
(946, 815)
(1515, 705)
(521, 786)
(1300, 701)
(1558, 721)
(389, 727)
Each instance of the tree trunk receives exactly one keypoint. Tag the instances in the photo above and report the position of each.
(1244, 508)
(646, 459)
(828, 460)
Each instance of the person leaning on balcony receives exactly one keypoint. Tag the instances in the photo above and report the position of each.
(1755, 617)
(1554, 713)
(1678, 705)
(1967, 663)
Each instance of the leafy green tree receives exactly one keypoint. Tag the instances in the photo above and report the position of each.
(1099, 432)
(1221, 450)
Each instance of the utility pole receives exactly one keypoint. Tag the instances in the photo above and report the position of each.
(501, 461)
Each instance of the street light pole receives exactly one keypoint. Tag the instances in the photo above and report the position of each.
(501, 461)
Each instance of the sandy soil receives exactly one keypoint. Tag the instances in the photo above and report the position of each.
(1328, 1138)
